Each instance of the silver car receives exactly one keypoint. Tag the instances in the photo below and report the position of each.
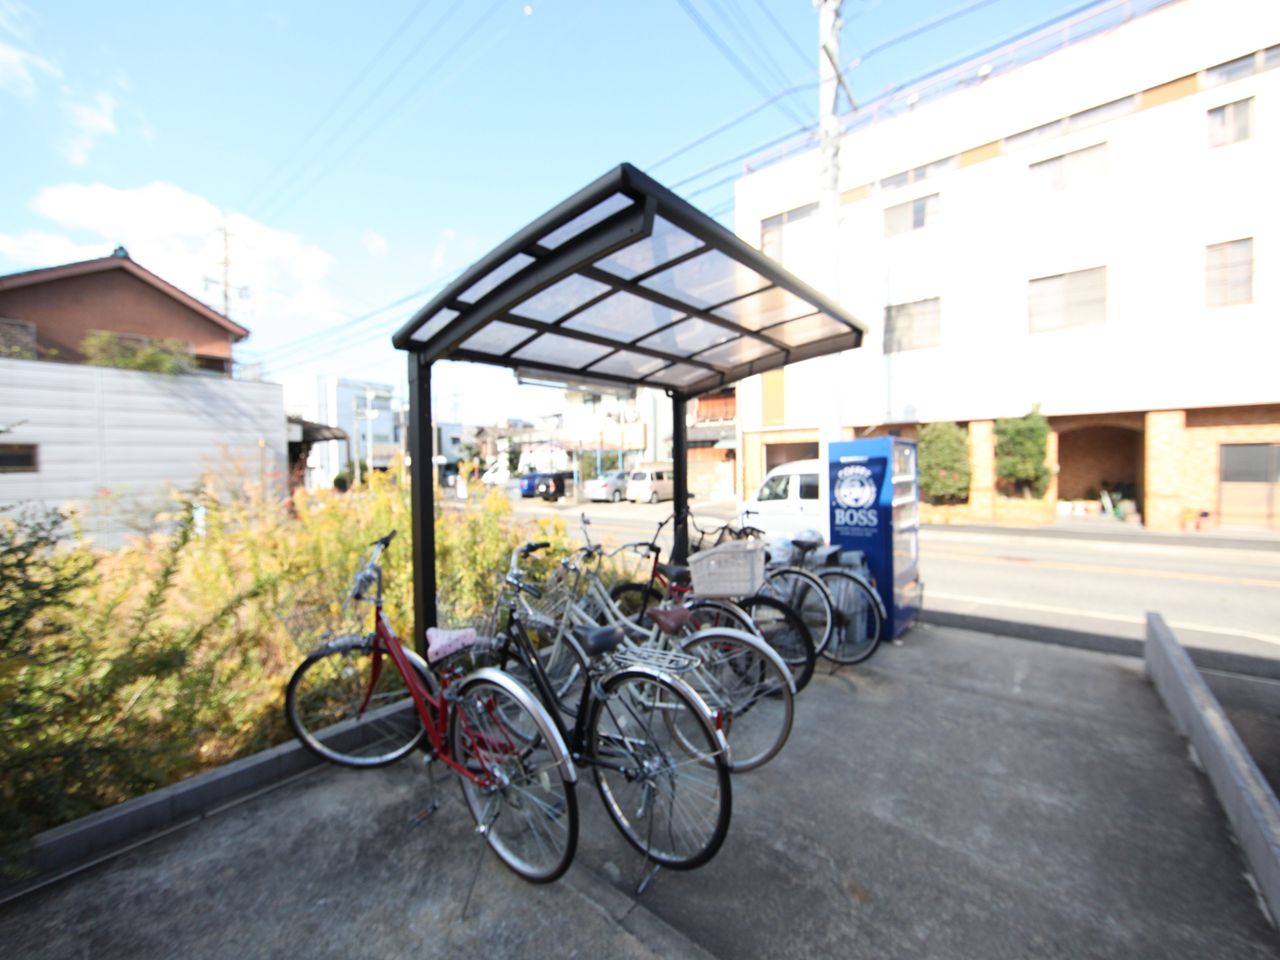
(608, 486)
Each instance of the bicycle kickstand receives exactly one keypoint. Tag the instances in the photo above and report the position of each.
(433, 802)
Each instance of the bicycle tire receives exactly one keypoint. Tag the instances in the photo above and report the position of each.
(528, 809)
(333, 711)
(660, 768)
(709, 612)
(859, 622)
(784, 630)
(804, 592)
(750, 692)
(633, 599)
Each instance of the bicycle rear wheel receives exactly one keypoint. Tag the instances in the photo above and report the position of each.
(783, 630)
(803, 592)
(859, 623)
(350, 706)
(660, 768)
(749, 690)
(522, 800)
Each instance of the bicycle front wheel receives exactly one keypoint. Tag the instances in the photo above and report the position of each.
(660, 768)
(783, 630)
(749, 691)
(349, 705)
(859, 624)
(519, 792)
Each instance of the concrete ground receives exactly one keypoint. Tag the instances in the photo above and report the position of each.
(960, 796)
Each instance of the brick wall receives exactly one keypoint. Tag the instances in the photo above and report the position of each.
(1090, 457)
(1206, 430)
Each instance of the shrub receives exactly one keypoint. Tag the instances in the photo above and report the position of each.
(150, 356)
(944, 463)
(1020, 451)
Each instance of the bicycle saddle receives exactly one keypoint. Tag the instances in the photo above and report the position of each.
(596, 641)
(804, 546)
(674, 573)
(670, 620)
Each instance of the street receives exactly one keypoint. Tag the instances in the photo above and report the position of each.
(1214, 597)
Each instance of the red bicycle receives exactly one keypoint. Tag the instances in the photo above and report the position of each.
(367, 701)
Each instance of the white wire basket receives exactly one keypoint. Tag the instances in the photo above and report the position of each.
(734, 569)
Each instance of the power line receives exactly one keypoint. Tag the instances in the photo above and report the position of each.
(301, 188)
(333, 109)
(751, 44)
(743, 156)
(729, 55)
(805, 58)
(918, 30)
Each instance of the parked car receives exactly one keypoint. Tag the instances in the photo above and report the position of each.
(650, 482)
(498, 474)
(610, 485)
(788, 500)
(548, 486)
(529, 484)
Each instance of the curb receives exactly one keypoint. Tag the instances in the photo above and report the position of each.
(1221, 661)
(74, 846)
(1122, 536)
(1248, 800)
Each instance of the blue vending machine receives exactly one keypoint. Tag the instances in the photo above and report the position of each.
(875, 508)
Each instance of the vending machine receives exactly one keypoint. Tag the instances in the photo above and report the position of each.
(875, 509)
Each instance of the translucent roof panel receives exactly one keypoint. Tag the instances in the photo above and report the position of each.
(497, 275)
(808, 329)
(626, 281)
(662, 246)
(558, 299)
(627, 364)
(578, 224)
(497, 338)
(551, 348)
(678, 375)
(687, 338)
(742, 350)
(622, 316)
(765, 308)
(706, 279)
(434, 325)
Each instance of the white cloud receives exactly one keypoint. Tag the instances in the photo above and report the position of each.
(92, 122)
(178, 236)
(18, 70)
(375, 243)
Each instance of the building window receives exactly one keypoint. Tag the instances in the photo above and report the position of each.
(1231, 123)
(912, 326)
(1228, 275)
(808, 486)
(917, 174)
(18, 458)
(1250, 462)
(771, 229)
(775, 488)
(1080, 168)
(1231, 70)
(913, 215)
(1068, 300)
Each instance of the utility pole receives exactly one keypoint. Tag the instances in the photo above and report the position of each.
(355, 428)
(829, 85)
(369, 415)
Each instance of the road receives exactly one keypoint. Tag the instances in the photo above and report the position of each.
(1215, 597)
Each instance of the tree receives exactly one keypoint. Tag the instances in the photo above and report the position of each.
(127, 353)
(944, 463)
(1020, 451)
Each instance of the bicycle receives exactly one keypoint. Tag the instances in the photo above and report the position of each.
(515, 771)
(660, 764)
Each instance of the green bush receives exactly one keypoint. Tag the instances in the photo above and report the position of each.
(1021, 444)
(150, 356)
(944, 463)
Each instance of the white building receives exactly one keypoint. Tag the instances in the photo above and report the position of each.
(1086, 220)
(347, 404)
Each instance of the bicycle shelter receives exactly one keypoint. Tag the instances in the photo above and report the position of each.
(622, 284)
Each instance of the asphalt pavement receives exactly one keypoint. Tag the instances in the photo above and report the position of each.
(959, 796)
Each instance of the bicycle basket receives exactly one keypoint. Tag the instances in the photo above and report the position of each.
(733, 569)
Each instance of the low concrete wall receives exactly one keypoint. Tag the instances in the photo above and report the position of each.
(1248, 800)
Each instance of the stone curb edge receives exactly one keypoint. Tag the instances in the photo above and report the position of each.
(1247, 798)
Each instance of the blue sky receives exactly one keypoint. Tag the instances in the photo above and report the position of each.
(359, 153)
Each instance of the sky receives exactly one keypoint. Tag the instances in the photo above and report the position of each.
(338, 163)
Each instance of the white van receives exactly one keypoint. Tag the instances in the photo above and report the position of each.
(651, 482)
(788, 500)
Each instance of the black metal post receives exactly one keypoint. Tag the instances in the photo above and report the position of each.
(422, 499)
(680, 463)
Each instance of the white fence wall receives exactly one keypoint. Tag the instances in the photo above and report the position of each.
(115, 444)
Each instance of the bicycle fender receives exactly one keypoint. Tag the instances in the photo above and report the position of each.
(750, 640)
(716, 603)
(531, 703)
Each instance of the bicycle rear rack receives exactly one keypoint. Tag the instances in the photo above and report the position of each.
(668, 661)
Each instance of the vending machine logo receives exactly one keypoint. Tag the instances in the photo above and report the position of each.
(855, 487)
